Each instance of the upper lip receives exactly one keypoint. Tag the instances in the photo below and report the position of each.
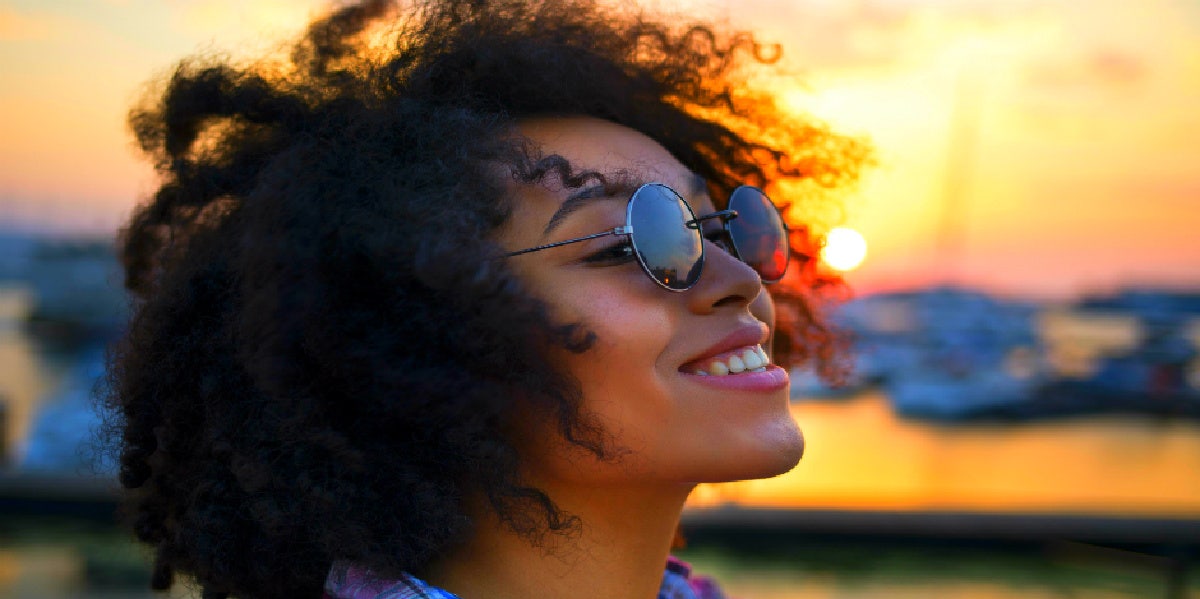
(749, 334)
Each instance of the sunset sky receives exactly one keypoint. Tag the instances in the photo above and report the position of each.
(1040, 148)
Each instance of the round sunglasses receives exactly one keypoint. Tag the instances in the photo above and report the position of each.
(666, 238)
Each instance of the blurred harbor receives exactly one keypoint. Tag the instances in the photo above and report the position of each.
(979, 425)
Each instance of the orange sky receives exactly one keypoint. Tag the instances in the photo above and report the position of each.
(1075, 124)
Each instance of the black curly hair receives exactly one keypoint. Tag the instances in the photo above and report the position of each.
(324, 352)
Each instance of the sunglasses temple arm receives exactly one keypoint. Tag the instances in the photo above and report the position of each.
(622, 230)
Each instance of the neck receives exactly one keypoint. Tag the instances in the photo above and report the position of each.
(618, 551)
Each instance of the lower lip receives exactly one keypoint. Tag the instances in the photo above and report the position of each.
(773, 378)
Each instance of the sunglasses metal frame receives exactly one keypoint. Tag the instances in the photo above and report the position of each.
(626, 230)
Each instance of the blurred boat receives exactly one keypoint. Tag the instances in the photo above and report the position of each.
(76, 288)
(968, 354)
(1159, 375)
(946, 352)
(958, 395)
(863, 374)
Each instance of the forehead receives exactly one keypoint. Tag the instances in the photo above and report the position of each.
(621, 154)
(602, 146)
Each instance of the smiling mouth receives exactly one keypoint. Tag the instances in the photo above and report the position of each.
(750, 358)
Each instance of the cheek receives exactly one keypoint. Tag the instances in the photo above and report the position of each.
(632, 334)
(624, 377)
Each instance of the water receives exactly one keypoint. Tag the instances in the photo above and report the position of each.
(859, 455)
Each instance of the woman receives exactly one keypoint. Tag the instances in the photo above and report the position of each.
(457, 312)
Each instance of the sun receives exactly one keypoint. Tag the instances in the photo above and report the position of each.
(844, 249)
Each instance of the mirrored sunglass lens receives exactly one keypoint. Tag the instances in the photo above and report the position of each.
(670, 251)
(758, 233)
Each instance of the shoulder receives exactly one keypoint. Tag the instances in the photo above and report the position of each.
(679, 582)
(347, 581)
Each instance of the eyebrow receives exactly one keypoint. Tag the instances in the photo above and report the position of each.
(619, 189)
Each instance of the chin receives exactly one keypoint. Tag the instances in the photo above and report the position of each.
(771, 454)
(785, 457)
(784, 447)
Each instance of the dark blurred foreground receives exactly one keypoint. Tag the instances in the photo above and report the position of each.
(52, 557)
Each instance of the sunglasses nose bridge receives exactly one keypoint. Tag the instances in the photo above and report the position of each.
(663, 265)
(724, 216)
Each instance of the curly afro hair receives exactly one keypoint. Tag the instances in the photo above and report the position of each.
(325, 348)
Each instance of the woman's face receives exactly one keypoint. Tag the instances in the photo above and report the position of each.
(641, 379)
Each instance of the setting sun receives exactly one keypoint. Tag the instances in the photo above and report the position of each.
(844, 249)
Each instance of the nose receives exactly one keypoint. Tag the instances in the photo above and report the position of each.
(725, 281)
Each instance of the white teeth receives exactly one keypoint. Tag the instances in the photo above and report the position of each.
(736, 364)
(752, 359)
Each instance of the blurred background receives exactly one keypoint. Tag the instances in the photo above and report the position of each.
(1024, 417)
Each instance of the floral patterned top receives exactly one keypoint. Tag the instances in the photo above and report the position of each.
(347, 581)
